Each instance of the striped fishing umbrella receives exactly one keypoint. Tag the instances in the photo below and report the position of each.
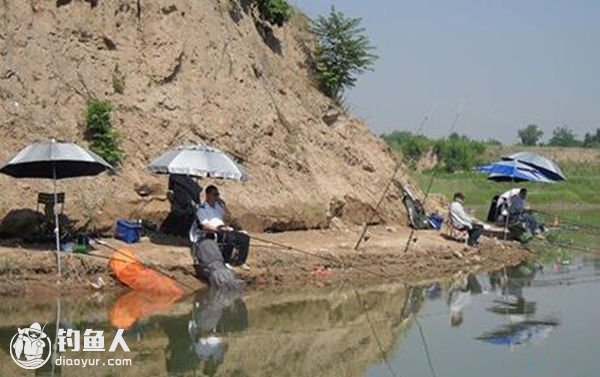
(546, 166)
(513, 171)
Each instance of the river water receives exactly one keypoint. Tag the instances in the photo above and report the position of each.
(524, 321)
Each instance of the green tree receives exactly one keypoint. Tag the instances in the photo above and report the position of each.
(564, 137)
(592, 141)
(104, 140)
(276, 12)
(530, 135)
(343, 52)
(493, 142)
(459, 152)
(413, 147)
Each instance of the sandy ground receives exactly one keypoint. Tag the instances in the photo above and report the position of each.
(318, 258)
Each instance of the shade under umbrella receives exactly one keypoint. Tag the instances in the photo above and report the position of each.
(198, 161)
(512, 171)
(548, 167)
(54, 160)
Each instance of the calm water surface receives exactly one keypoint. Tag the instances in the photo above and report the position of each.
(518, 322)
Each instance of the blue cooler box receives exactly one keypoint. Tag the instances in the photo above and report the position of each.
(436, 221)
(128, 231)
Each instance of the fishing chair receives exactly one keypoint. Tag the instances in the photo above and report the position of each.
(49, 202)
(47, 199)
(458, 234)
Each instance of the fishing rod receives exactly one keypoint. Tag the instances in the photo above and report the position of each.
(435, 171)
(570, 221)
(323, 257)
(572, 245)
(128, 259)
(387, 187)
(150, 267)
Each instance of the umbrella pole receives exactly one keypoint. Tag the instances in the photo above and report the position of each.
(56, 225)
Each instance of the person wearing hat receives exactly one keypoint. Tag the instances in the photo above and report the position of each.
(461, 221)
(211, 215)
(30, 342)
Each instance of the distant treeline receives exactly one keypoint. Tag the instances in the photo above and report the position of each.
(561, 137)
(455, 153)
(459, 152)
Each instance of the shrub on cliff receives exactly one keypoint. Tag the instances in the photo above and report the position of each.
(104, 140)
(343, 52)
(276, 12)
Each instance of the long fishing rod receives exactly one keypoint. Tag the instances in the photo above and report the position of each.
(391, 180)
(459, 110)
(569, 220)
(323, 257)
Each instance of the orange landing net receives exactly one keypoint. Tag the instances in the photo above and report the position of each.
(128, 269)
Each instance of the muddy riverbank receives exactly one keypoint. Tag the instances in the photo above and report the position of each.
(316, 258)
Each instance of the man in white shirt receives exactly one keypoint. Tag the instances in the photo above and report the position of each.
(211, 215)
(460, 220)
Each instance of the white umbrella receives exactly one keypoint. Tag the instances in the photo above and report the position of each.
(54, 160)
(198, 161)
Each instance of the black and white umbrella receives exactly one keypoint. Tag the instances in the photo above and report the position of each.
(546, 166)
(198, 161)
(54, 160)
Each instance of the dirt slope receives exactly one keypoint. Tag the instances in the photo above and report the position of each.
(198, 71)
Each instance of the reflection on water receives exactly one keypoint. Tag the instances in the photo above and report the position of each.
(542, 317)
(534, 313)
(319, 333)
(519, 333)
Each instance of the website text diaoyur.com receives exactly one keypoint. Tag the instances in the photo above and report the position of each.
(90, 362)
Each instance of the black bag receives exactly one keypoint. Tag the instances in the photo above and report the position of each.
(416, 214)
(493, 212)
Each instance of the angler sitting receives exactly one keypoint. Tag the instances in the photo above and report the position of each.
(460, 220)
(211, 216)
(519, 213)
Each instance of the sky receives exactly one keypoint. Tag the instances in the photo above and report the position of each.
(496, 65)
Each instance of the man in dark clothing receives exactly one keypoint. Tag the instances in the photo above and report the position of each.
(211, 216)
(518, 212)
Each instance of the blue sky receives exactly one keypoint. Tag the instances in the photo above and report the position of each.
(501, 64)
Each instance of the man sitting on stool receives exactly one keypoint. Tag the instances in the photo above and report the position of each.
(211, 214)
(460, 220)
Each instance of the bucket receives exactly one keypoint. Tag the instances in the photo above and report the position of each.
(128, 230)
(436, 221)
